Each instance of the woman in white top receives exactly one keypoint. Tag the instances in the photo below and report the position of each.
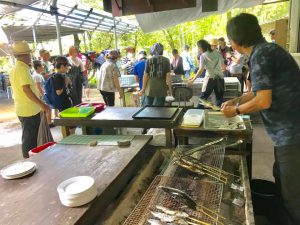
(212, 61)
(76, 75)
(108, 78)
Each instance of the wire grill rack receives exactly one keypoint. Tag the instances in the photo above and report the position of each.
(207, 194)
(212, 156)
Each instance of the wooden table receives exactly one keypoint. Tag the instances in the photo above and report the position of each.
(182, 135)
(34, 199)
(120, 117)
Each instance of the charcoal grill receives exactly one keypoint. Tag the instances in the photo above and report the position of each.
(207, 194)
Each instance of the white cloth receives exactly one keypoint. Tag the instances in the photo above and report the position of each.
(150, 22)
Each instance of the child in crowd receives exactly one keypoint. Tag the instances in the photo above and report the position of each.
(37, 76)
(61, 84)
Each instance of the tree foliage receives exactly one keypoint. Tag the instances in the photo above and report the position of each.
(187, 33)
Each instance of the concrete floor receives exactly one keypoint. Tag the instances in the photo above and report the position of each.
(10, 139)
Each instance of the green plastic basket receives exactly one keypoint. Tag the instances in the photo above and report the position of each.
(77, 112)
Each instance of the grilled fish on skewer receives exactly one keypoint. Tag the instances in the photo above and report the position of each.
(180, 214)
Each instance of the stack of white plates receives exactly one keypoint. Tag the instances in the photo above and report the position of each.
(18, 170)
(77, 191)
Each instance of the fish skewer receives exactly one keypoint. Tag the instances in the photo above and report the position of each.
(188, 201)
(164, 217)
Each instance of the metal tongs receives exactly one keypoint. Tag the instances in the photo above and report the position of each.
(209, 104)
(216, 141)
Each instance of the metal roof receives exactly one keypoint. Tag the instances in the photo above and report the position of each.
(76, 16)
(43, 32)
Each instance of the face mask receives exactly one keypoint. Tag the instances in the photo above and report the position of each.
(130, 55)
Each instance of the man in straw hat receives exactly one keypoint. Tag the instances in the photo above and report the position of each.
(27, 103)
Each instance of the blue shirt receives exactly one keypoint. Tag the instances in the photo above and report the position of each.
(139, 69)
(273, 68)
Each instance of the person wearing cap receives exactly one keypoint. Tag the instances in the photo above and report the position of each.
(275, 79)
(108, 78)
(157, 77)
(76, 75)
(128, 61)
(214, 44)
(26, 97)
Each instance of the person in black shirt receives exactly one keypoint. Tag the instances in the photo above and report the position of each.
(177, 66)
(61, 82)
(275, 78)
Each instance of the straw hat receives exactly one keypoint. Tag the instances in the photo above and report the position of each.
(21, 48)
(214, 42)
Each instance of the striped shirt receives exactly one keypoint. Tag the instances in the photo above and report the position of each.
(129, 68)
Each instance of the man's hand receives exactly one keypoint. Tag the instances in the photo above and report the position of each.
(46, 108)
(229, 111)
(190, 81)
(142, 92)
(228, 103)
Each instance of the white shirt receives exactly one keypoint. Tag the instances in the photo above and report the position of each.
(38, 78)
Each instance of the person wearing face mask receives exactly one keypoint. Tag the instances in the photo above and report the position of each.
(108, 78)
(129, 61)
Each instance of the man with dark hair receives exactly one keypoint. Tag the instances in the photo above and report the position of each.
(188, 64)
(177, 66)
(275, 78)
(139, 67)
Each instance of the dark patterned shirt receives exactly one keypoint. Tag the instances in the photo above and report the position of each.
(273, 68)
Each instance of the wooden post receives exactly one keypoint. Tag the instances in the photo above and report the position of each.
(281, 31)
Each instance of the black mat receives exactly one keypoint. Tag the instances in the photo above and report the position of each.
(151, 112)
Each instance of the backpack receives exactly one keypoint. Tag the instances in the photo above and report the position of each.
(51, 98)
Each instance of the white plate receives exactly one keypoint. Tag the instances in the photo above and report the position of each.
(78, 201)
(19, 175)
(18, 168)
(76, 185)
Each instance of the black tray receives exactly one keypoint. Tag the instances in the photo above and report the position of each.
(155, 112)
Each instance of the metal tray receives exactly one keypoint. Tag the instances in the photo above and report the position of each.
(217, 121)
(155, 112)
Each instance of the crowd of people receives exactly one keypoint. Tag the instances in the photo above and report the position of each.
(59, 82)
(275, 89)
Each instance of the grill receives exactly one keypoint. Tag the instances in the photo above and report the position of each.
(211, 157)
(207, 196)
